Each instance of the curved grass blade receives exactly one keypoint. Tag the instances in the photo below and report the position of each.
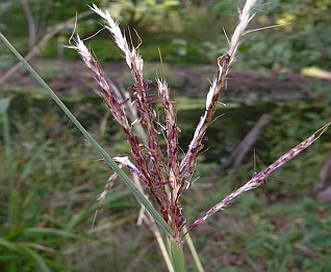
(109, 161)
(52, 231)
(27, 252)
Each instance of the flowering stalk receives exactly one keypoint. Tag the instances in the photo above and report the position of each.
(187, 165)
(161, 171)
(154, 171)
(260, 178)
(159, 176)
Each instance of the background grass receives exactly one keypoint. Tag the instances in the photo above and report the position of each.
(52, 179)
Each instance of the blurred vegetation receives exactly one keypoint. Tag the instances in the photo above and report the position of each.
(189, 31)
(50, 178)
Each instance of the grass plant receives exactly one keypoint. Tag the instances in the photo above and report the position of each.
(160, 172)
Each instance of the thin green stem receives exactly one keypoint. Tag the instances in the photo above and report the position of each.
(193, 251)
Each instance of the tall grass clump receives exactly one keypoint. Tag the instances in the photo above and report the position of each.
(159, 171)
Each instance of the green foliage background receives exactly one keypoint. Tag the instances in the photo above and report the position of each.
(191, 31)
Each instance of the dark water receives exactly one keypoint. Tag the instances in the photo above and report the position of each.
(230, 125)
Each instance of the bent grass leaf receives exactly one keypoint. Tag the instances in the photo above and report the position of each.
(109, 161)
(26, 252)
